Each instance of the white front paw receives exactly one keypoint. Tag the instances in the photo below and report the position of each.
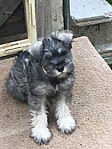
(66, 124)
(41, 135)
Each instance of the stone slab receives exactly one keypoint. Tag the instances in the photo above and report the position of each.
(91, 106)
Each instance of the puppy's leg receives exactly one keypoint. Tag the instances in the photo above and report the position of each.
(65, 121)
(40, 131)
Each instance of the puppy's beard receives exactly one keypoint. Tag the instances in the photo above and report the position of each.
(63, 74)
(66, 70)
(53, 73)
(56, 73)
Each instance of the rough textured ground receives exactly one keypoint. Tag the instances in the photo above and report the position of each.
(91, 106)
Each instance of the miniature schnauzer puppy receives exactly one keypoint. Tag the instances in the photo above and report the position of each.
(41, 74)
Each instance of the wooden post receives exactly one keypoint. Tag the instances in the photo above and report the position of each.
(49, 16)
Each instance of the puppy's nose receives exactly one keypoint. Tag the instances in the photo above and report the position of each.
(60, 69)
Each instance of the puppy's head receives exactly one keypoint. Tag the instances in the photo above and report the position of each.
(55, 54)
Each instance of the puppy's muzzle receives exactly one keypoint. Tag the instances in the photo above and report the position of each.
(60, 69)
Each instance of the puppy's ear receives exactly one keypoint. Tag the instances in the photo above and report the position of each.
(65, 36)
(36, 50)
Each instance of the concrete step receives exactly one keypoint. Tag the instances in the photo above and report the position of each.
(92, 18)
(90, 12)
(91, 106)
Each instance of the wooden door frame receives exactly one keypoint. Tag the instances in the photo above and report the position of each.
(14, 47)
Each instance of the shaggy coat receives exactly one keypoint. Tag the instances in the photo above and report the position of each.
(41, 74)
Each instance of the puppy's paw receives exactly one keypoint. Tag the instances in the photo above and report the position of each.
(66, 125)
(41, 136)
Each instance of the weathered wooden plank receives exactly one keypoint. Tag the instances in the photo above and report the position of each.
(13, 26)
(13, 47)
(13, 38)
(6, 9)
(49, 16)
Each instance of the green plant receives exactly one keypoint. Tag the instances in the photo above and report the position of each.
(110, 1)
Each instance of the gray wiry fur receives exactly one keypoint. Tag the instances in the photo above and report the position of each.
(45, 70)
